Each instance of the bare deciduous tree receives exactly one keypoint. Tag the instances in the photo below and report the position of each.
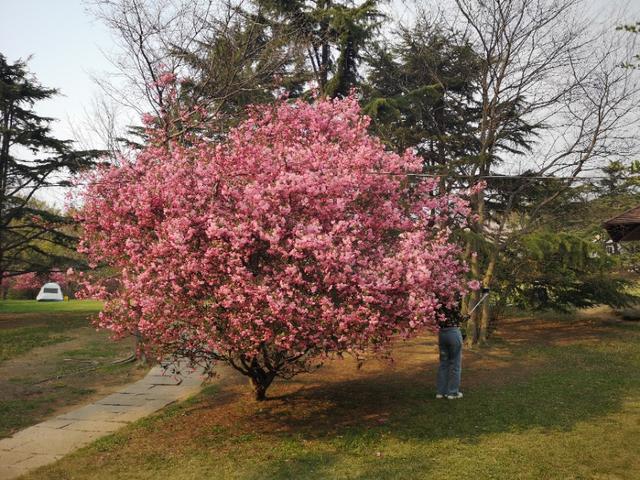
(146, 33)
(554, 103)
(226, 52)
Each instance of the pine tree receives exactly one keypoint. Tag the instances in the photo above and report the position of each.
(420, 94)
(243, 61)
(31, 159)
(334, 33)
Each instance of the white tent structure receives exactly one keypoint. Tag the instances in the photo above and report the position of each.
(50, 292)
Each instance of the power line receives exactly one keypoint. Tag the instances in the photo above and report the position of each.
(506, 177)
(416, 175)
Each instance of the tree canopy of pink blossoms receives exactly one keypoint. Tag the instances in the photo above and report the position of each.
(296, 238)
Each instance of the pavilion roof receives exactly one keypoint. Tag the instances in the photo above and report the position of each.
(624, 227)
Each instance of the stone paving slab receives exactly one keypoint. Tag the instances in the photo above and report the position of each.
(18, 457)
(94, 426)
(53, 442)
(48, 441)
(159, 392)
(93, 412)
(160, 380)
(35, 461)
(123, 400)
(8, 445)
(54, 423)
(136, 389)
(10, 471)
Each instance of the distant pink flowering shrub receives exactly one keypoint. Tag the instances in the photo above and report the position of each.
(27, 281)
(26, 285)
(297, 238)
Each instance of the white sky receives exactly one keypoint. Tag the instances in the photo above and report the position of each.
(67, 46)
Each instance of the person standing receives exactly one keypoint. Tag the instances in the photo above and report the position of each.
(450, 347)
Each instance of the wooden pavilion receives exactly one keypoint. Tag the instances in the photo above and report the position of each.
(625, 227)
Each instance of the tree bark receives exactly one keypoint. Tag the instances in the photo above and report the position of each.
(485, 322)
(472, 323)
(141, 355)
(260, 381)
(485, 313)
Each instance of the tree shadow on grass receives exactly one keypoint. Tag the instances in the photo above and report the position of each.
(333, 424)
(318, 425)
(357, 417)
(577, 382)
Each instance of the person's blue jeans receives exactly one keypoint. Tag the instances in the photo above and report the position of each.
(450, 345)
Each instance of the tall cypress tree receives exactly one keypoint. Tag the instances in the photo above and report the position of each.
(31, 159)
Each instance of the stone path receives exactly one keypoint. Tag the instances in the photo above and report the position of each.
(46, 442)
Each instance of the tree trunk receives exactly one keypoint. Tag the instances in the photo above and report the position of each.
(139, 352)
(485, 314)
(260, 381)
(472, 328)
(485, 320)
(325, 49)
(259, 390)
(472, 324)
(4, 168)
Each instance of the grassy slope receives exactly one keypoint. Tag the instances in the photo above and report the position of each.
(40, 341)
(27, 324)
(560, 402)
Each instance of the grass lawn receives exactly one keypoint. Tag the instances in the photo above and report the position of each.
(545, 400)
(27, 324)
(41, 341)
(33, 306)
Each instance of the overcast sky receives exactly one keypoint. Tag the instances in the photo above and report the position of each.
(67, 44)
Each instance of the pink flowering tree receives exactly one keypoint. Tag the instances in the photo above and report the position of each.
(61, 278)
(297, 238)
(26, 285)
(28, 281)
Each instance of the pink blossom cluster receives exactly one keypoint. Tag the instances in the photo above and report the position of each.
(300, 235)
(26, 281)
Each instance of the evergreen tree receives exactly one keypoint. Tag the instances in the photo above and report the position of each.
(619, 180)
(31, 159)
(560, 270)
(248, 59)
(419, 93)
(426, 91)
(334, 34)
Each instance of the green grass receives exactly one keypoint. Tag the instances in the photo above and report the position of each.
(46, 350)
(17, 414)
(549, 410)
(41, 324)
(32, 306)
(14, 342)
(631, 312)
(94, 349)
(36, 402)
